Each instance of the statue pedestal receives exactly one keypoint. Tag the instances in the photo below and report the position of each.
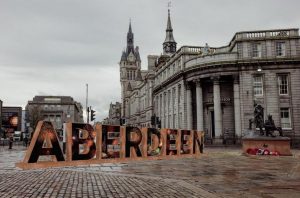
(279, 144)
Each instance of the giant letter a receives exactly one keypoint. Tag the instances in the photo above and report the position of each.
(44, 142)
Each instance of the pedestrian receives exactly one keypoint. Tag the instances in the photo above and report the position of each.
(10, 142)
(25, 141)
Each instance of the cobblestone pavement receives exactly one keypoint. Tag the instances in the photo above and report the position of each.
(8, 157)
(222, 172)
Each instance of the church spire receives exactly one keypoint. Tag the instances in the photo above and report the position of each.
(169, 25)
(130, 45)
(130, 30)
(169, 44)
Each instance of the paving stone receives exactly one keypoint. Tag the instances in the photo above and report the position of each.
(221, 172)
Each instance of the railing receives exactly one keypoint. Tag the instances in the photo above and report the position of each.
(195, 49)
(211, 59)
(255, 34)
(191, 49)
(267, 34)
(264, 34)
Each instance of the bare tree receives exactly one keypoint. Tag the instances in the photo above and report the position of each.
(34, 115)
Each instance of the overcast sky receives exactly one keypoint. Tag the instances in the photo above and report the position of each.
(55, 47)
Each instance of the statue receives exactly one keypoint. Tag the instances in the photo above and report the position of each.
(270, 127)
(258, 118)
(206, 49)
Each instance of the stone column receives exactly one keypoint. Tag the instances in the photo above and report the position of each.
(199, 100)
(189, 116)
(158, 106)
(162, 111)
(150, 99)
(179, 101)
(167, 111)
(237, 106)
(128, 109)
(217, 107)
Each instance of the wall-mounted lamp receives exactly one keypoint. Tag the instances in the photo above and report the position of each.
(259, 69)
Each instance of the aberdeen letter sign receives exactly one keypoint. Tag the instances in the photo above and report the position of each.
(86, 144)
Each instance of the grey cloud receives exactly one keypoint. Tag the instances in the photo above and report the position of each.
(56, 47)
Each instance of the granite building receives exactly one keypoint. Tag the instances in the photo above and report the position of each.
(11, 119)
(214, 89)
(136, 85)
(1, 103)
(114, 114)
(57, 109)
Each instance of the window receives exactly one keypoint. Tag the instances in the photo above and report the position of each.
(280, 48)
(256, 50)
(160, 106)
(165, 103)
(179, 94)
(174, 68)
(52, 100)
(283, 84)
(51, 118)
(169, 101)
(173, 97)
(156, 104)
(58, 122)
(179, 63)
(258, 85)
(285, 118)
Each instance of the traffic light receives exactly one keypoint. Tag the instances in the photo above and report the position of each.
(159, 124)
(122, 121)
(153, 119)
(93, 115)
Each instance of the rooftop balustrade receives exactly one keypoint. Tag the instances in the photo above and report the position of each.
(265, 34)
(221, 57)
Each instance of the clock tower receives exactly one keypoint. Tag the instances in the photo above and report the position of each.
(169, 44)
(130, 66)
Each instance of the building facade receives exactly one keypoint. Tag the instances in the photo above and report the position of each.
(136, 85)
(114, 114)
(1, 103)
(57, 109)
(214, 89)
(11, 119)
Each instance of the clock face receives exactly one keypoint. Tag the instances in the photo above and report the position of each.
(131, 57)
